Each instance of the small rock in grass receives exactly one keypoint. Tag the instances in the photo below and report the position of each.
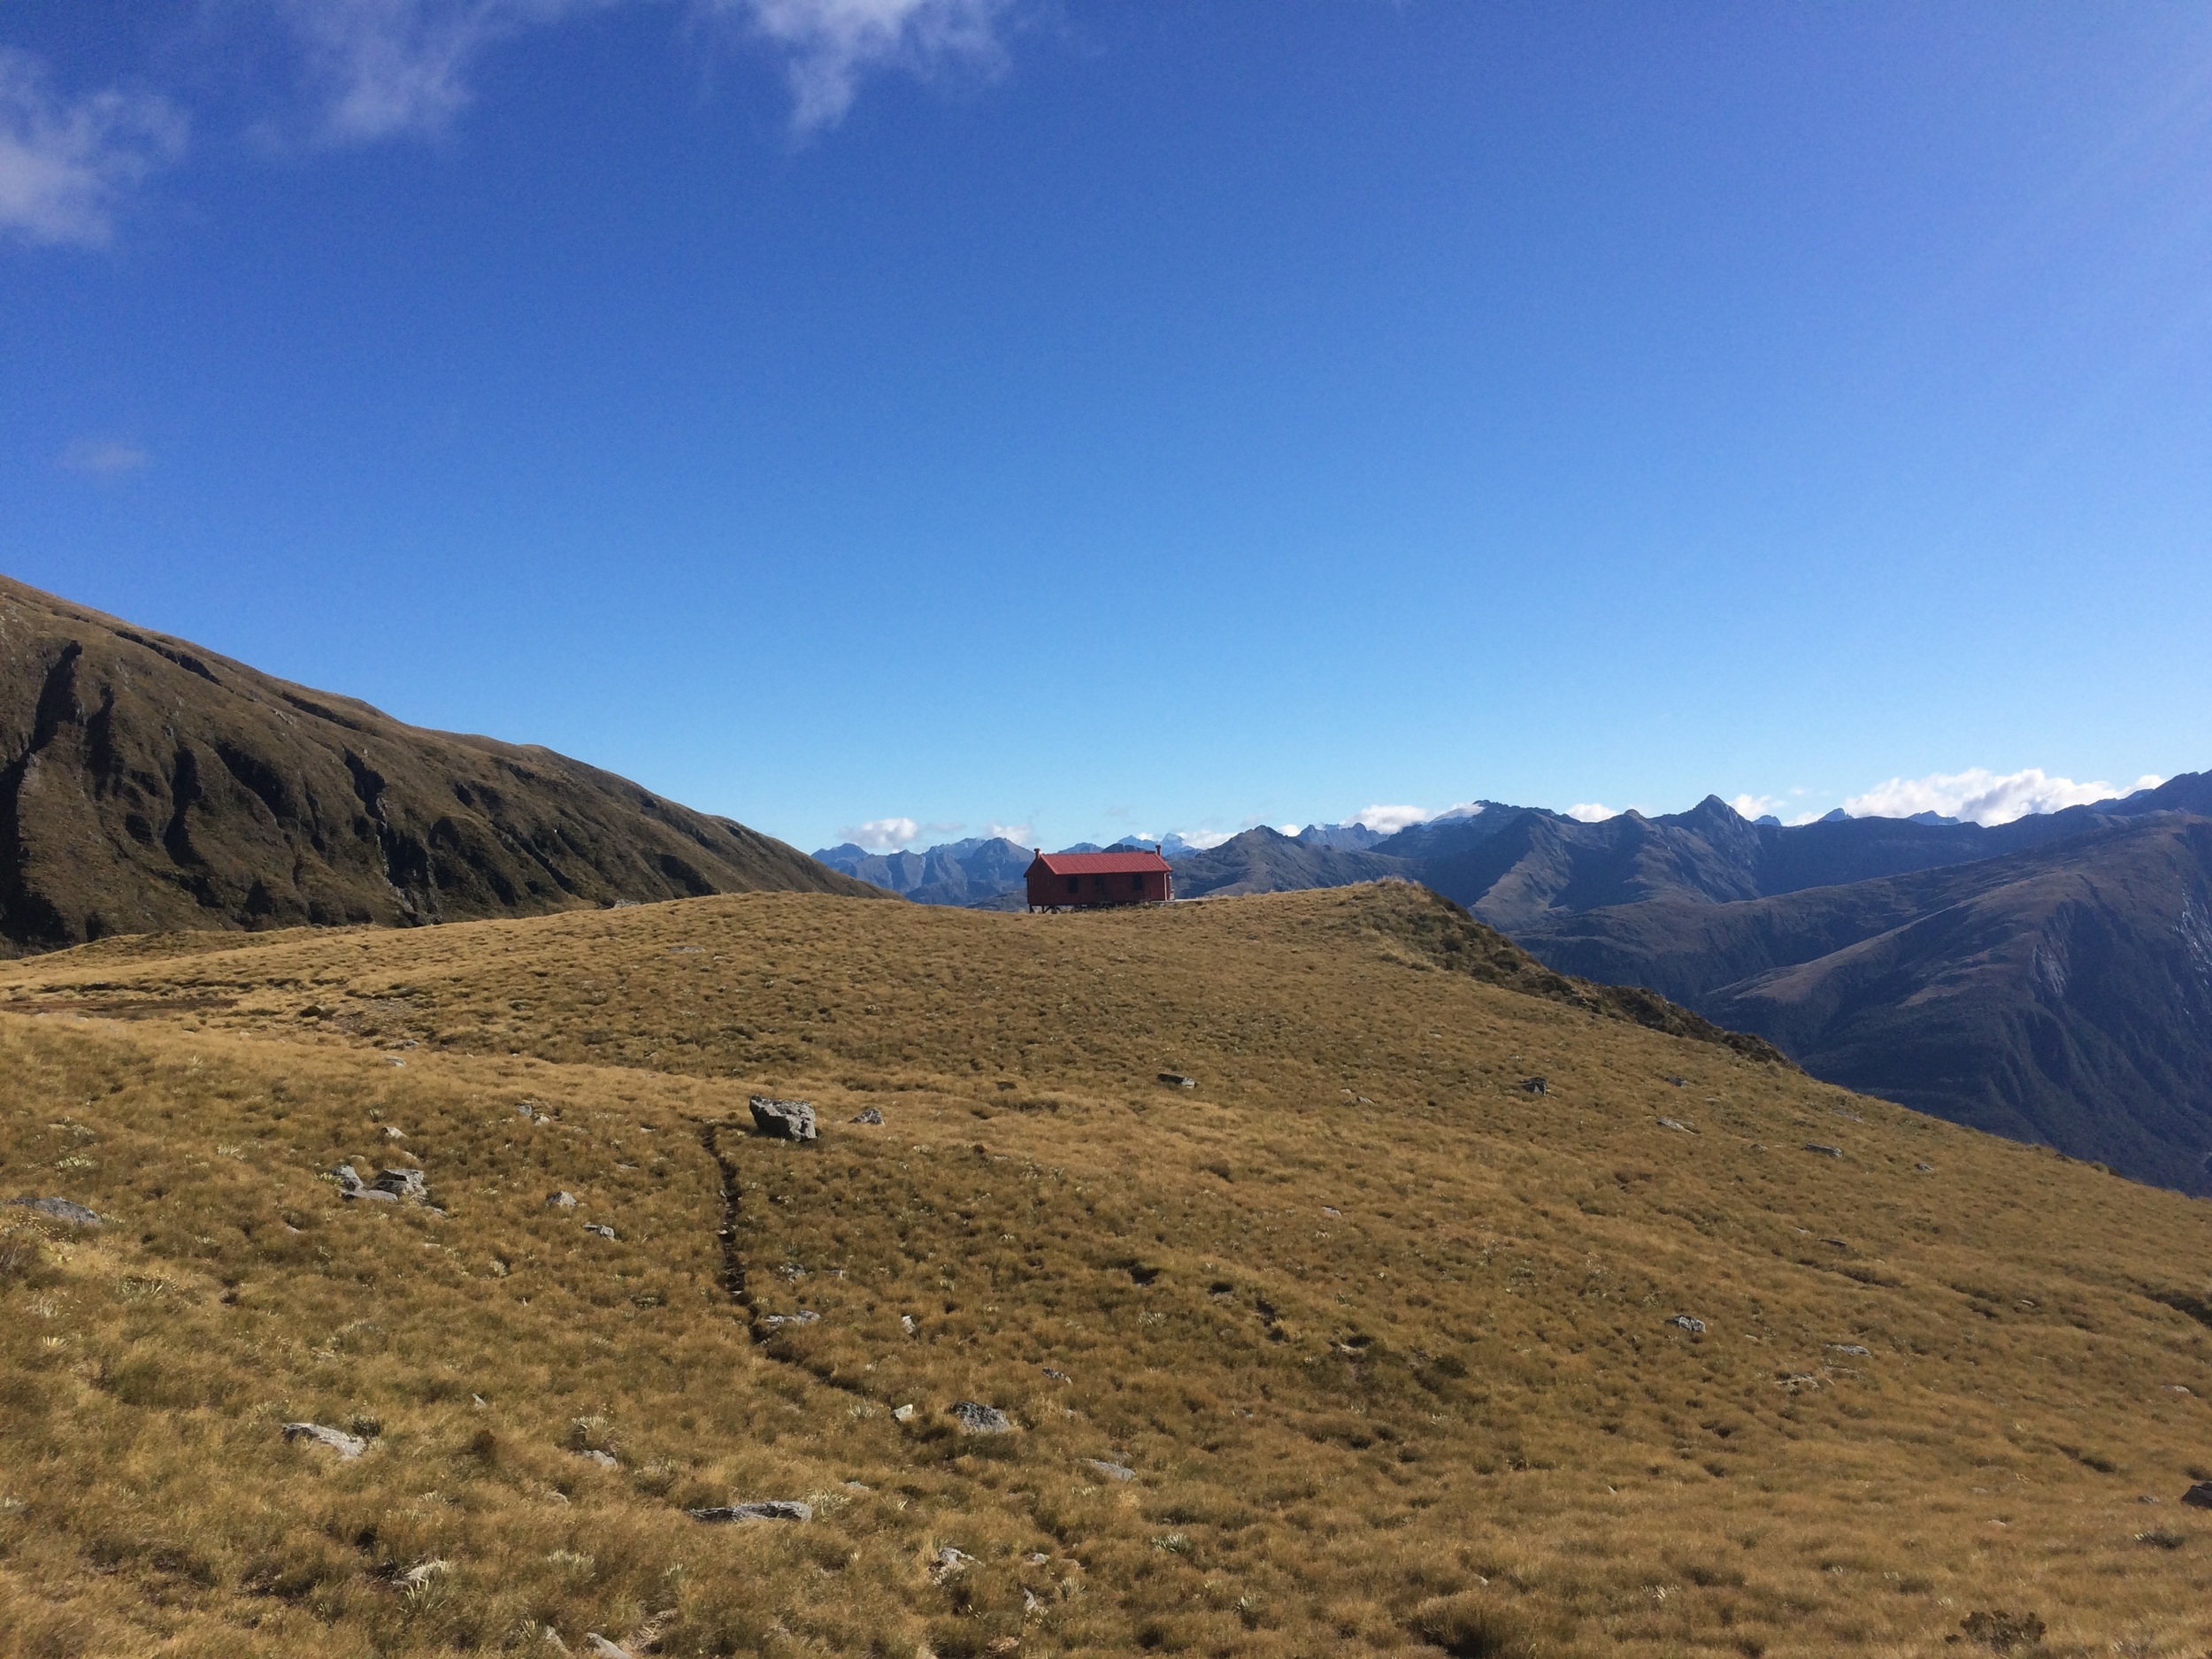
(975, 1418)
(870, 1116)
(339, 1441)
(1176, 1079)
(2199, 1496)
(1679, 1082)
(1825, 1152)
(805, 1316)
(1331, 1209)
(1848, 1348)
(1535, 1086)
(783, 1119)
(907, 1324)
(764, 1510)
(601, 1648)
(1669, 1123)
(951, 1561)
(1923, 1169)
(1113, 1471)
(560, 1201)
(599, 1227)
(1694, 1326)
(903, 1413)
(59, 1210)
(1053, 1374)
(605, 1460)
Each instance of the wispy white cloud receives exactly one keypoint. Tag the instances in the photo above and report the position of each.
(1983, 797)
(882, 835)
(1022, 834)
(831, 45)
(98, 457)
(66, 164)
(1758, 805)
(1591, 812)
(1201, 838)
(391, 68)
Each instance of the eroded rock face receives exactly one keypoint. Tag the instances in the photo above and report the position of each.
(783, 1119)
(339, 1441)
(59, 1210)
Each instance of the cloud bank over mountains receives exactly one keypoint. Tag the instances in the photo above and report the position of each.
(1987, 798)
(359, 72)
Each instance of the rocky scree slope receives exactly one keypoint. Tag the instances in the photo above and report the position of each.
(146, 784)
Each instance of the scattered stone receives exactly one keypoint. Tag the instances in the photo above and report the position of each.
(1925, 1169)
(2002, 1632)
(951, 1561)
(1037, 1558)
(783, 1119)
(1679, 1082)
(1176, 1079)
(1680, 1128)
(59, 1210)
(1694, 1326)
(601, 1648)
(765, 1510)
(907, 1324)
(605, 1460)
(599, 1227)
(393, 1132)
(1535, 1086)
(339, 1441)
(560, 1201)
(2176, 1388)
(553, 1641)
(2199, 1496)
(1848, 1348)
(1111, 1471)
(975, 1418)
(805, 1316)
(903, 1413)
(1840, 1244)
(870, 1116)
(1825, 1152)
(1057, 1376)
(858, 1486)
(1331, 1209)
(390, 1187)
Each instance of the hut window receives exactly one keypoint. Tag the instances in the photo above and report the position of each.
(1075, 883)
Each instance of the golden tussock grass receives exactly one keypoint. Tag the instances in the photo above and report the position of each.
(1384, 1339)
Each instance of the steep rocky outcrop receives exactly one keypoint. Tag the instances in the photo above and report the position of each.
(148, 784)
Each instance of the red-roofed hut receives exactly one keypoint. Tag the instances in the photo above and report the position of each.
(1083, 881)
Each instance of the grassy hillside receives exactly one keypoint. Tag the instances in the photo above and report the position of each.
(1383, 1338)
(147, 783)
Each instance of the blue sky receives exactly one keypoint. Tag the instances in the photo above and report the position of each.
(1094, 419)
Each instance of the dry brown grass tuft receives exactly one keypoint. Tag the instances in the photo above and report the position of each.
(1383, 1340)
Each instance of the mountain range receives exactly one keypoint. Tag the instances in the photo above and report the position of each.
(2049, 979)
(149, 784)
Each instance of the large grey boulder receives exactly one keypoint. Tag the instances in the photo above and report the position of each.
(783, 1119)
(339, 1441)
(975, 1418)
(59, 1210)
(1111, 1471)
(390, 1187)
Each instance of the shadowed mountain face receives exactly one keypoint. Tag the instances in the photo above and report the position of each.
(976, 872)
(148, 785)
(2061, 994)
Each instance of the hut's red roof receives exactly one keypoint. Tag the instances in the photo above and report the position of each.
(1121, 863)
